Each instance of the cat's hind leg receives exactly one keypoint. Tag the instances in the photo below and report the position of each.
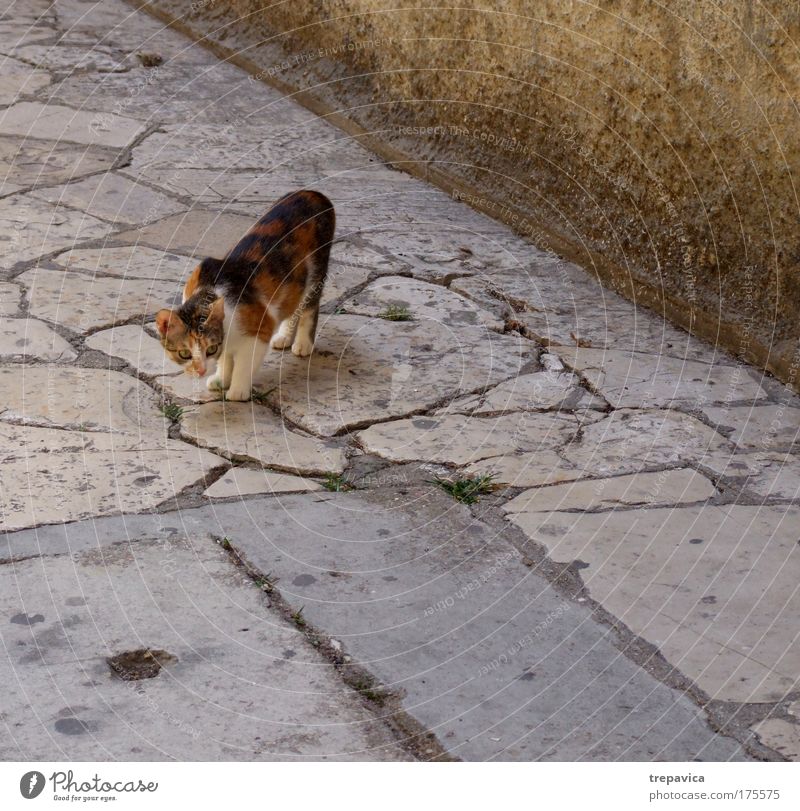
(246, 363)
(317, 267)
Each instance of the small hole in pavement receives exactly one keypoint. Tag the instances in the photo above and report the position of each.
(144, 663)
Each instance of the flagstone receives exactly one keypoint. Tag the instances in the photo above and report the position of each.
(30, 162)
(28, 338)
(758, 427)
(771, 474)
(625, 441)
(130, 262)
(642, 380)
(10, 296)
(197, 233)
(781, 735)
(68, 58)
(460, 440)
(132, 344)
(84, 303)
(18, 79)
(422, 301)
(31, 228)
(88, 473)
(33, 119)
(250, 431)
(658, 488)
(368, 369)
(113, 197)
(538, 391)
(240, 481)
(72, 398)
(713, 587)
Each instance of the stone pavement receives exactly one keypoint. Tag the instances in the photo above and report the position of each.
(622, 586)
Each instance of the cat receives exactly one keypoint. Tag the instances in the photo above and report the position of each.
(265, 292)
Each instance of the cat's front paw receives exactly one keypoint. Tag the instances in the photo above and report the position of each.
(280, 341)
(302, 347)
(237, 395)
(215, 383)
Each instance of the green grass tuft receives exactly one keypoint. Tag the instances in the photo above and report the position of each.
(396, 312)
(172, 411)
(336, 483)
(261, 397)
(466, 490)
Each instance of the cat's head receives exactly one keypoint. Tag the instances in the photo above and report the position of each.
(192, 335)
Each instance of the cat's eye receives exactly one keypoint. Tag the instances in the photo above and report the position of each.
(184, 354)
(212, 350)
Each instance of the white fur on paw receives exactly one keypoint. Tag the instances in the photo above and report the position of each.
(302, 347)
(215, 383)
(281, 341)
(237, 395)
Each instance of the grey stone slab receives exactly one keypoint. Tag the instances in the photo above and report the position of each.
(33, 119)
(781, 735)
(365, 370)
(241, 683)
(197, 233)
(770, 474)
(31, 162)
(31, 228)
(68, 58)
(26, 338)
(420, 301)
(133, 345)
(713, 587)
(240, 481)
(646, 380)
(250, 431)
(663, 487)
(113, 197)
(10, 296)
(82, 302)
(758, 427)
(486, 653)
(19, 79)
(129, 262)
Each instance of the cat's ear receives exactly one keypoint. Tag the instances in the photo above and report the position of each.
(168, 322)
(216, 313)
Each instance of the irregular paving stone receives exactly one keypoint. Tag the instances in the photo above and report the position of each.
(773, 475)
(198, 233)
(348, 252)
(560, 304)
(655, 489)
(28, 338)
(183, 387)
(480, 648)
(113, 197)
(133, 345)
(341, 279)
(538, 391)
(10, 295)
(131, 262)
(713, 587)
(249, 431)
(641, 380)
(20, 79)
(30, 228)
(88, 473)
(82, 303)
(437, 252)
(780, 735)
(240, 481)
(423, 302)
(33, 119)
(242, 684)
(31, 162)
(459, 440)
(368, 369)
(625, 441)
(75, 58)
(14, 31)
(85, 399)
(758, 427)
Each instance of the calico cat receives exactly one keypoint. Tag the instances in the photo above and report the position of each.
(265, 292)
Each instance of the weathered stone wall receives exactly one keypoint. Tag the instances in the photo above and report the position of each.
(655, 143)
